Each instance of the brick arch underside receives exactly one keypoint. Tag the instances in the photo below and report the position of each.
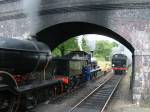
(57, 34)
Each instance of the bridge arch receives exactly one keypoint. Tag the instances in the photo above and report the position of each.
(57, 34)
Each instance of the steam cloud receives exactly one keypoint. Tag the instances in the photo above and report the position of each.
(79, 40)
(31, 9)
(91, 43)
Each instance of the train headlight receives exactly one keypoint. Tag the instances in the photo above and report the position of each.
(113, 65)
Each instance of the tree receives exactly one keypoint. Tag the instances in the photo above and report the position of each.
(67, 46)
(115, 44)
(56, 52)
(104, 48)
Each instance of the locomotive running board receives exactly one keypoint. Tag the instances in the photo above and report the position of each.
(37, 85)
(3, 87)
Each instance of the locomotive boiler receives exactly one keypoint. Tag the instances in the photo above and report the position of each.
(23, 56)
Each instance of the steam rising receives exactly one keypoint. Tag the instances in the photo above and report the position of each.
(79, 40)
(31, 9)
(91, 43)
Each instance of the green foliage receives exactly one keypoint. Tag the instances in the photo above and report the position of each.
(67, 46)
(56, 52)
(114, 44)
(104, 49)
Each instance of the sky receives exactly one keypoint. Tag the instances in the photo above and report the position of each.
(97, 37)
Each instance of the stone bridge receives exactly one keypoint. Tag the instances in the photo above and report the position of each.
(55, 21)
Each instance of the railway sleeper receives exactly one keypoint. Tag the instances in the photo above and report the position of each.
(95, 103)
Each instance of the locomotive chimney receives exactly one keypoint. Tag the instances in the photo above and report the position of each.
(91, 52)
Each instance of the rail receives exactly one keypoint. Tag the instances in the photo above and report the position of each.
(98, 99)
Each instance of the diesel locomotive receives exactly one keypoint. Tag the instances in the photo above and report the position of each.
(119, 63)
(29, 75)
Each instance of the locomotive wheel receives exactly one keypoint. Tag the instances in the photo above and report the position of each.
(7, 102)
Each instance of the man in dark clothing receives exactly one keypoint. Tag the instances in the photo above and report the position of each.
(87, 74)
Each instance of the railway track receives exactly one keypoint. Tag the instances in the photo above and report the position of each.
(98, 99)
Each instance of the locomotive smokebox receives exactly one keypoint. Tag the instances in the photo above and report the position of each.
(23, 56)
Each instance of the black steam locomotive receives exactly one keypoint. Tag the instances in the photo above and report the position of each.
(119, 63)
(21, 64)
(29, 75)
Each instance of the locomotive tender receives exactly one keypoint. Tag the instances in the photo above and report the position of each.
(29, 75)
(119, 63)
